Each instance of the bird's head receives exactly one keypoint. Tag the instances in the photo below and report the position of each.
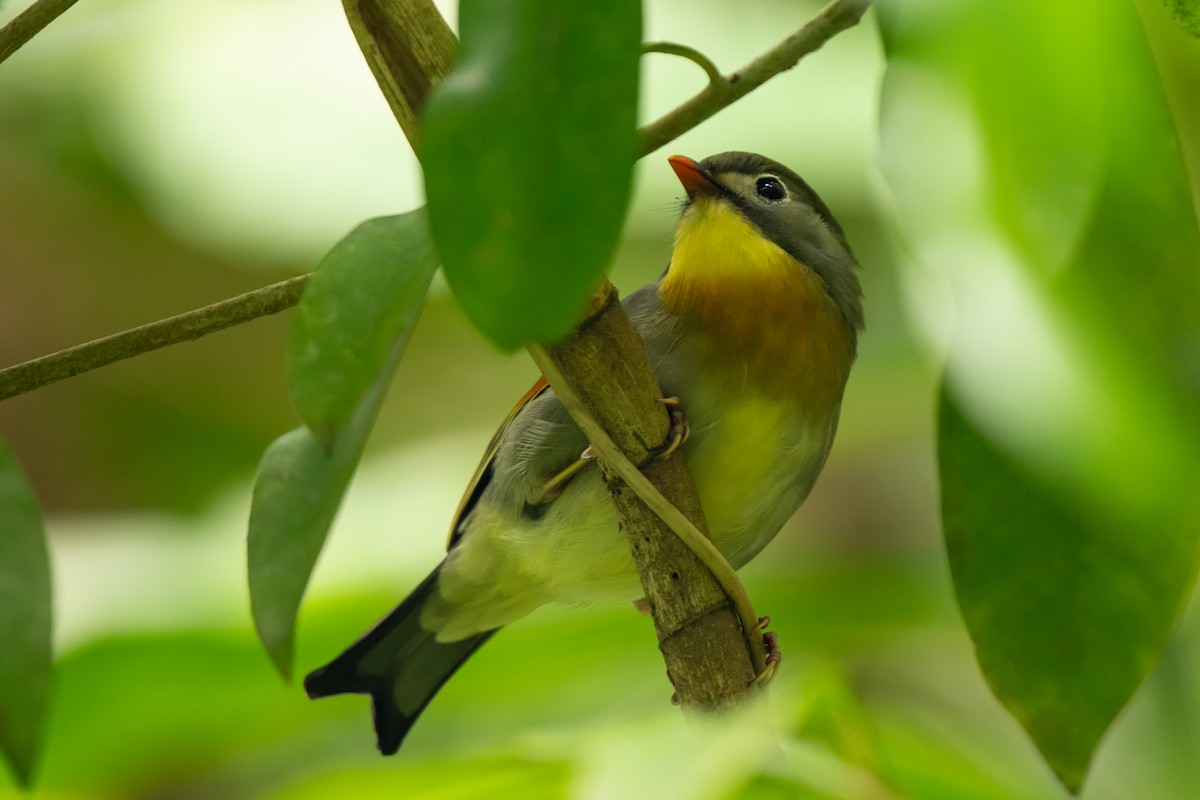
(743, 213)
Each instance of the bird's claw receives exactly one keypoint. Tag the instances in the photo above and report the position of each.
(774, 654)
(679, 431)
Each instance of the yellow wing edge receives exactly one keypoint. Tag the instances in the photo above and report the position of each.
(479, 480)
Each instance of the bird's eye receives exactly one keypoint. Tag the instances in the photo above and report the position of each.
(770, 188)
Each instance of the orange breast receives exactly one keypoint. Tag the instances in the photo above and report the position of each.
(776, 333)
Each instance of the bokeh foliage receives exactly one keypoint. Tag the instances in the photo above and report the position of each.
(1068, 425)
(1043, 181)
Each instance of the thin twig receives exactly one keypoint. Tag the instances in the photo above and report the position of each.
(832, 19)
(47, 369)
(26, 25)
(700, 544)
(690, 53)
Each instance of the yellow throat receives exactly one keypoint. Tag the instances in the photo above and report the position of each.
(756, 308)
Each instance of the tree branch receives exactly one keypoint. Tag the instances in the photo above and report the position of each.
(409, 48)
(26, 25)
(47, 369)
(829, 21)
(617, 461)
(601, 374)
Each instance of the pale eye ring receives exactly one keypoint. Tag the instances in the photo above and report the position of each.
(770, 188)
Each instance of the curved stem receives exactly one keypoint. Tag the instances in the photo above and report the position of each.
(690, 53)
(832, 19)
(47, 369)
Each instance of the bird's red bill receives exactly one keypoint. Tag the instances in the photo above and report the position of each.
(690, 174)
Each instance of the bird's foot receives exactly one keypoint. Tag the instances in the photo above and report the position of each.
(679, 431)
(553, 487)
(774, 654)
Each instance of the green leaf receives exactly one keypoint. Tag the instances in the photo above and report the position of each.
(297, 493)
(303, 475)
(528, 149)
(26, 655)
(1069, 609)
(366, 295)
(1048, 189)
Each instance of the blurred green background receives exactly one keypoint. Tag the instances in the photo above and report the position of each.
(158, 157)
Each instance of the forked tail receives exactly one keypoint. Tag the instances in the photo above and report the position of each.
(399, 663)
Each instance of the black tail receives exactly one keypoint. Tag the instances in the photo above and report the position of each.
(399, 663)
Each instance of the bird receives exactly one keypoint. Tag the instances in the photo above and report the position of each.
(753, 326)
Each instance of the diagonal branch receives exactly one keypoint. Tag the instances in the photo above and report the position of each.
(409, 48)
(28, 23)
(184, 327)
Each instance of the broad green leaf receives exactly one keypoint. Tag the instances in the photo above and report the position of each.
(303, 475)
(25, 646)
(528, 150)
(366, 294)
(1049, 192)
(1069, 608)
